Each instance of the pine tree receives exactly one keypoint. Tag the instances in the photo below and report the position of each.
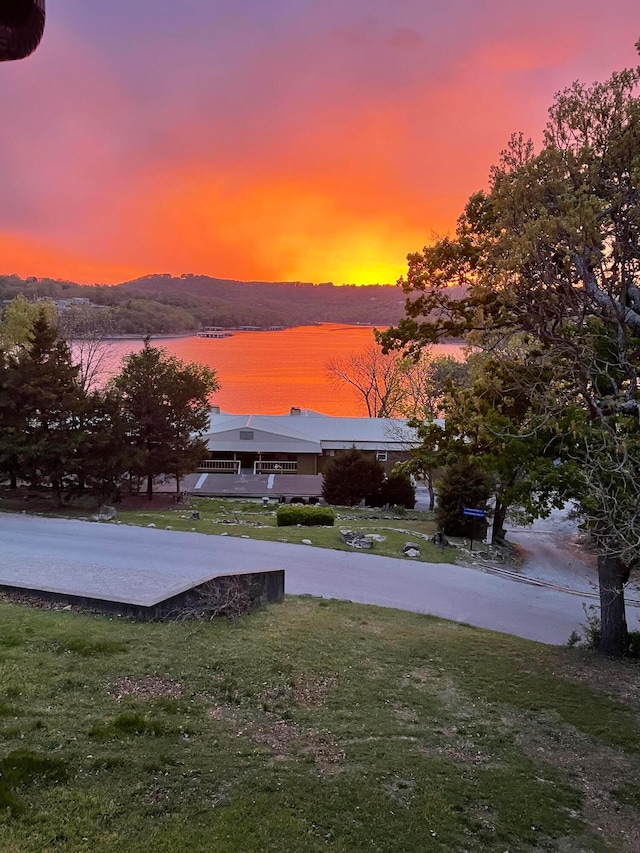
(40, 406)
(165, 404)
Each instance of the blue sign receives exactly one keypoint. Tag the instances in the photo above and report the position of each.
(476, 513)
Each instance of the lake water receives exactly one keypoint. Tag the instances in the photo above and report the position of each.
(269, 372)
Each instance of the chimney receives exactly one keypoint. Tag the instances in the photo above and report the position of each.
(215, 410)
(295, 410)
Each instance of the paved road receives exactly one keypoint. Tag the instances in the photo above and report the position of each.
(55, 546)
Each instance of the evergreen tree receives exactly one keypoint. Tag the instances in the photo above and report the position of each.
(351, 477)
(40, 407)
(462, 485)
(398, 490)
(104, 454)
(165, 404)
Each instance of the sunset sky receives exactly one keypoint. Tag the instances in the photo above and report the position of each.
(308, 140)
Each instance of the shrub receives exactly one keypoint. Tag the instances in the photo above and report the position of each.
(351, 477)
(310, 516)
(462, 484)
(592, 632)
(397, 490)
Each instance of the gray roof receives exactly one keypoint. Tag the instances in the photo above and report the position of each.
(309, 432)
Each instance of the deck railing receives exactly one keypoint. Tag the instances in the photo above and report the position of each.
(269, 467)
(220, 466)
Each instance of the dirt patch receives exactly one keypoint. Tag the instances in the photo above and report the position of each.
(595, 770)
(460, 749)
(308, 693)
(286, 739)
(225, 713)
(432, 679)
(145, 688)
(618, 680)
(401, 791)
(406, 715)
(314, 693)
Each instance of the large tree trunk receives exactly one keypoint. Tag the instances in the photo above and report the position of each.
(499, 516)
(430, 489)
(614, 636)
(149, 487)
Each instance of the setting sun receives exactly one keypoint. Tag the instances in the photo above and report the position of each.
(312, 143)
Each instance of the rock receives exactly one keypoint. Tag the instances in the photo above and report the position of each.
(306, 542)
(224, 534)
(169, 527)
(105, 513)
(376, 537)
(411, 546)
(355, 539)
(244, 536)
(412, 552)
(151, 525)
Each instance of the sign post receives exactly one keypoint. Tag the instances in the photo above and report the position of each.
(474, 513)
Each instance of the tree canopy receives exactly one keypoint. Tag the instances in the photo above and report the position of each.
(550, 258)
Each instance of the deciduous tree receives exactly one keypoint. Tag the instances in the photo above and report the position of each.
(550, 255)
(376, 378)
(88, 331)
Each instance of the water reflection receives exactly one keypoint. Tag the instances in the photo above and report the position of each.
(268, 372)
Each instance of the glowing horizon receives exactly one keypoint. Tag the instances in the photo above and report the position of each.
(317, 142)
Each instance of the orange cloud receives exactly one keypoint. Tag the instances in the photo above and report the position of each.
(317, 142)
(26, 256)
(269, 228)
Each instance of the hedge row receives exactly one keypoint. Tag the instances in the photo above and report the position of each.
(310, 516)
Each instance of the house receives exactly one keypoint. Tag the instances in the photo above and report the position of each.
(300, 442)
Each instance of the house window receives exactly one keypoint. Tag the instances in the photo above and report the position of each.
(381, 455)
(246, 435)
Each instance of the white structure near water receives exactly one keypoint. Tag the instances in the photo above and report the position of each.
(300, 442)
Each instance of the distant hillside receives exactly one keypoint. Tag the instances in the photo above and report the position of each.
(164, 304)
(226, 302)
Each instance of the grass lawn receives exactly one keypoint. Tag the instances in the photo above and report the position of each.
(310, 725)
(252, 520)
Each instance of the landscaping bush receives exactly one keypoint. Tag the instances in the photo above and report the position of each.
(309, 516)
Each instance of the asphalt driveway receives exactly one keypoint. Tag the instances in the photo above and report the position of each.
(72, 555)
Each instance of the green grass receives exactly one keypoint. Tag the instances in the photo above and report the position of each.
(251, 519)
(310, 725)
